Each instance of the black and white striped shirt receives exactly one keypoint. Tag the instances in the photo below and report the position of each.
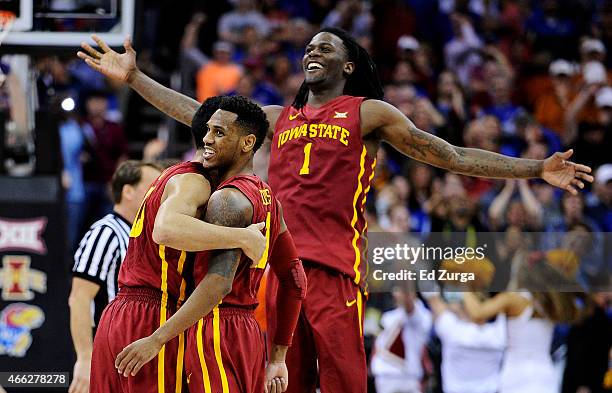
(99, 257)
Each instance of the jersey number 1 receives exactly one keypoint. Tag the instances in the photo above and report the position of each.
(306, 166)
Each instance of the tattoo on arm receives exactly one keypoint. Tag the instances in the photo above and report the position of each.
(227, 208)
(466, 161)
(174, 104)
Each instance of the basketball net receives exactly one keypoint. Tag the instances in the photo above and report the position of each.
(6, 23)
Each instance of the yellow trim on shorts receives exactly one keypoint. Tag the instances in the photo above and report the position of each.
(205, 376)
(181, 264)
(181, 350)
(179, 363)
(217, 346)
(162, 318)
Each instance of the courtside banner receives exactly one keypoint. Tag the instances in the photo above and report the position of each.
(577, 260)
(34, 279)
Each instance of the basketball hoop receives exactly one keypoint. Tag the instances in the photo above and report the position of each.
(6, 23)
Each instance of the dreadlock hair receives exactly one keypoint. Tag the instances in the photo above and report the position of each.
(363, 82)
(203, 114)
(251, 117)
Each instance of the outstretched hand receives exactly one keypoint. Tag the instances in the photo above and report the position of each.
(564, 174)
(108, 62)
(137, 354)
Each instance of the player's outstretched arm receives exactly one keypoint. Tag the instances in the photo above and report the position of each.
(285, 263)
(122, 67)
(393, 127)
(227, 207)
(176, 225)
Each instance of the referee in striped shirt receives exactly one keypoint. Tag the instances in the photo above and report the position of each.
(97, 261)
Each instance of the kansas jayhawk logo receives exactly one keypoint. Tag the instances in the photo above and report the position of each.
(16, 322)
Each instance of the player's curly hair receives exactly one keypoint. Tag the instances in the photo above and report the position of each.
(251, 118)
(203, 114)
(363, 82)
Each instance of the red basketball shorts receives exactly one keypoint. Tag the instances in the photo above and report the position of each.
(226, 353)
(135, 313)
(328, 340)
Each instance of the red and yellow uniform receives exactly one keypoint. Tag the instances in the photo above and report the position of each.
(321, 173)
(225, 349)
(153, 282)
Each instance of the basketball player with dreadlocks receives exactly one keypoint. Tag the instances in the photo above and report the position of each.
(322, 160)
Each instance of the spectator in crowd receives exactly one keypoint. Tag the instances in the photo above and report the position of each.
(105, 147)
(471, 352)
(588, 347)
(531, 134)
(420, 180)
(524, 214)
(483, 133)
(397, 362)
(550, 108)
(72, 142)
(551, 29)
(462, 52)
(592, 138)
(531, 313)
(220, 75)
(232, 24)
(599, 204)
(593, 50)
(452, 105)
(574, 213)
(258, 89)
(295, 35)
(501, 104)
(409, 50)
(192, 58)
(97, 262)
(350, 15)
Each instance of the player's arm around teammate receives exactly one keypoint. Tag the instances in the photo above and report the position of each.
(229, 207)
(176, 225)
(382, 121)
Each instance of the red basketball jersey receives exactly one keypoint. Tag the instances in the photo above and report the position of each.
(321, 173)
(249, 273)
(148, 264)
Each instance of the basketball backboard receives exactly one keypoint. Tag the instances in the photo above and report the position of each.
(66, 23)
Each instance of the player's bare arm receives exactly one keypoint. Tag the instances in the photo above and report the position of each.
(291, 291)
(81, 295)
(395, 128)
(226, 207)
(177, 224)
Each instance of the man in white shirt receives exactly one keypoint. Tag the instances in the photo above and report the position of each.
(396, 363)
